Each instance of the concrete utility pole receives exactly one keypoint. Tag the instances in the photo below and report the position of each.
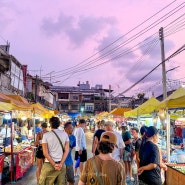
(161, 37)
(36, 83)
(109, 98)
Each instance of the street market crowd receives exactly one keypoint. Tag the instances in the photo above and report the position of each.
(129, 155)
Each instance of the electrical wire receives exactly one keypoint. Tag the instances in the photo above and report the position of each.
(122, 37)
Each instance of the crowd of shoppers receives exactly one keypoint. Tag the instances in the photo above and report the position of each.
(113, 154)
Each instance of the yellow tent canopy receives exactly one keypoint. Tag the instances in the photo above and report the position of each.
(4, 98)
(5, 106)
(14, 102)
(42, 111)
(146, 108)
(175, 100)
(119, 111)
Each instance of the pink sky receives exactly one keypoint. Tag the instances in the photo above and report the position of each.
(53, 36)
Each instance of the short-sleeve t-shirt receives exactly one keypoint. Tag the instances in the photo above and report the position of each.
(110, 176)
(72, 144)
(54, 146)
(126, 136)
(136, 144)
(98, 134)
(150, 154)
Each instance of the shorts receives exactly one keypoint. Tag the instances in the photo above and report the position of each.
(39, 153)
(70, 174)
(83, 156)
(127, 156)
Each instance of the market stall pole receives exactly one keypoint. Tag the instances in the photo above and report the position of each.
(168, 135)
(11, 154)
(1, 167)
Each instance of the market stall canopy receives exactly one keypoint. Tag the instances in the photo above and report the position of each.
(18, 103)
(146, 108)
(5, 106)
(42, 111)
(4, 98)
(119, 111)
(175, 100)
(104, 113)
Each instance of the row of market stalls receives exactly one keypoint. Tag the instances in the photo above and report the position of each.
(19, 157)
(172, 108)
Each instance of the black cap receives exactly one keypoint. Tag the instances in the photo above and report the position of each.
(143, 129)
(151, 131)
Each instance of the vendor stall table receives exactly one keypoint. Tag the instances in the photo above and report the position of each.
(175, 175)
(22, 161)
(1, 166)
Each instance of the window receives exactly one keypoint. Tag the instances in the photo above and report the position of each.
(89, 108)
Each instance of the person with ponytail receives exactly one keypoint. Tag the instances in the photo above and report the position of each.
(150, 171)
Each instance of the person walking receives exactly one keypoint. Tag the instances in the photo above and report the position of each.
(127, 156)
(97, 135)
(135, 146)
(117, 154)
(39, 152)
(136, 143)
(80, 143)
(55, 145)
(38, 127)
(103, 168)
(149, 171)
(68, 127)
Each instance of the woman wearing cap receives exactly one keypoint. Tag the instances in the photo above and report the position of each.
(103, 169)
(149, 171)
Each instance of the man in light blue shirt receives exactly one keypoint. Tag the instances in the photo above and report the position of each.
(80, 143)
(68, 127)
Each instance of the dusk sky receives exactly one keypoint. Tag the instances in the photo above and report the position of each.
(104, 42)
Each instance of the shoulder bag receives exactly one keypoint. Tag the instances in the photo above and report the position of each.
(96, 170)
(59, 141)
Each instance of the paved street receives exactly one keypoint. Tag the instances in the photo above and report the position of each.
(29, 177)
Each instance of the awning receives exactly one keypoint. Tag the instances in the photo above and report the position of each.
(18, 102)
(119, 111)
(175, 100)
(146, 108)
(42, 111)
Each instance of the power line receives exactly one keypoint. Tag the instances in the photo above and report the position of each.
(117, 40)
(174, 54)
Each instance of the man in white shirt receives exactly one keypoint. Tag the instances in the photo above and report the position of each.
(80, 143)
(55, 146)
(118, 152)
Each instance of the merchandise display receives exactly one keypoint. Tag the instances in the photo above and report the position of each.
(175, 175)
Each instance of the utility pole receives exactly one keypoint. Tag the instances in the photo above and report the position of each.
(109, 98)
(161, 37)
(36, 81)
(167, 138)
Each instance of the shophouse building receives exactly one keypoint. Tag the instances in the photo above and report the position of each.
(11, 73)
(81, 99)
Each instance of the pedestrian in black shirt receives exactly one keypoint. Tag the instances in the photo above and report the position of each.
(149, 171)
(97, 135)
